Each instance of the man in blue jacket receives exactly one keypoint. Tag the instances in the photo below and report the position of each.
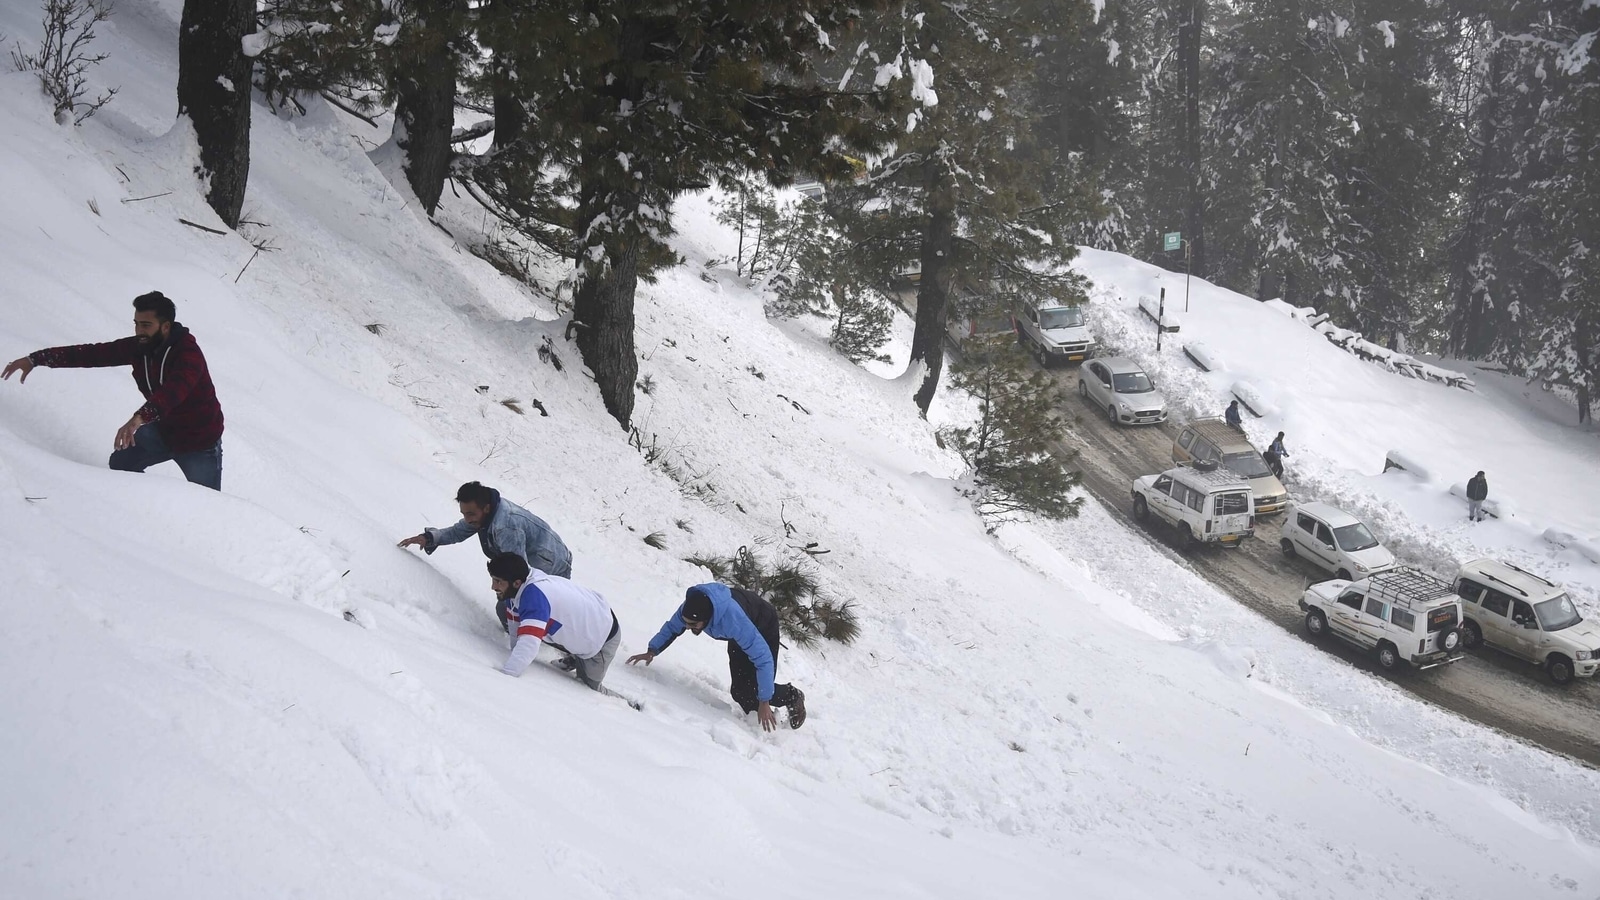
(501, 527)
(750, 626)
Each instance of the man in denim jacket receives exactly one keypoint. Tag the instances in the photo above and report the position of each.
(501, 527)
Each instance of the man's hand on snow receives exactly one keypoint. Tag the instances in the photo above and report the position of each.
(769, 720)
(23, 365)
(646, 657)
(417, 540)
(125, 433)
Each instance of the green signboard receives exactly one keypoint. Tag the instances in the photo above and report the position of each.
(1172, 240)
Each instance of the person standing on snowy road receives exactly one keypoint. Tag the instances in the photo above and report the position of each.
(750, 626)
(546, 609)
(1477, 492)
(501, 527)
(1275, 454)
(181, 419)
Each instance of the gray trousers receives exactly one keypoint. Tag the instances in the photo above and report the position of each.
(592, 671)
(1475, 510)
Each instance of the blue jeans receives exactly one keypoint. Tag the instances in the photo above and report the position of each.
(203, 467)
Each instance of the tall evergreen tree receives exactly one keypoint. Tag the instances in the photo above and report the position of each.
(427, 58)
(214, 92)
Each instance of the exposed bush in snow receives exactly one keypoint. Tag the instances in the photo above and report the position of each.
(63, 57)
(793, 587)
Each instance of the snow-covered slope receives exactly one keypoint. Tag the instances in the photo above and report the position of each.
(187, 711)
(1343, 415)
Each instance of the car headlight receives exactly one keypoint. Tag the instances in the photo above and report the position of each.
(1360, 567)
(1584, 654)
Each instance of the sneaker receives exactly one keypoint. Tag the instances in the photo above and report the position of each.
(797, 709)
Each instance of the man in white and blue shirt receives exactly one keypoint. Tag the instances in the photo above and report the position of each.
(548, 609)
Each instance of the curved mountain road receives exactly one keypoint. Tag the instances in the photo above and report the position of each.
(1487, 687)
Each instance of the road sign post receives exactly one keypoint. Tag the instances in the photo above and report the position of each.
(1161, 313)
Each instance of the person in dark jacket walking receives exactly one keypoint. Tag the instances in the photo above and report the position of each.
(1275, 454)
(501, 527)
(1477, 492)
(1231, 415)
(750, 626)
(181, 419)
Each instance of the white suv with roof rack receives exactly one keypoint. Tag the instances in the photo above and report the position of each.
(1528, 617)
(1207, 506)
(1402, 615)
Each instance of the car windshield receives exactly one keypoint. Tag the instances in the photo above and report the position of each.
(1557, 613)
(1354, 537)
(1246, 465)
(1132, 383)
(1061, 317)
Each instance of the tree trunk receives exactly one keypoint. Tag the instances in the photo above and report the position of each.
(933, 291)
(1189, 35)
(425, 98)
(214, 92)
(500, 34)
(1271, 284)
(602, 304)
(1471, 335)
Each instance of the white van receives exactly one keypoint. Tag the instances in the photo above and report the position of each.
(1053, 331)
(1402, 615)
(1207, 506)
(1332, 539)
(1528, 617)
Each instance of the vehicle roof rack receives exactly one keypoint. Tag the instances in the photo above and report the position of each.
(1516, 568)
(1490, 576)
(1406, 586)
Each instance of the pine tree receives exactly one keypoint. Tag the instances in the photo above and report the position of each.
(214, 92)
(1010, 449)
(426, 59)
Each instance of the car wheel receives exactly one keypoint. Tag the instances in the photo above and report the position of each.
(1288, 547)
(1186, 537)
(1111, 413)
(1141, 509)
(1316, 623)
(1343, 574)
(1560, 669)
(1388, 656)
(1450, 641)
(1471, 635)
(1083, 389)
(1041, 356)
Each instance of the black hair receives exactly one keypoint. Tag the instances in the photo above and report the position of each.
(508, 567)
(473, 492)
(696, 605)
(158, 303)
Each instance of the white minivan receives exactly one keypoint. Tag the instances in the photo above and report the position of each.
(1332, 539)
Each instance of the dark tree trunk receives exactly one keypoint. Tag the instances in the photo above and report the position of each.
(933, 291)
(1271, 284)
(214, 92)
(510, 116)
(602, 311)
(1189, 34)
(425, 98)
(1471, 333)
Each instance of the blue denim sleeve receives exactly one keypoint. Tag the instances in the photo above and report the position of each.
(455, 534)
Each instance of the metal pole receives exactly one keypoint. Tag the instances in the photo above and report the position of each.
(1187, 264)
(1161, 312)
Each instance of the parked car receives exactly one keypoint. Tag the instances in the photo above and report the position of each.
(1332, 539)
(1402, 615)
(1053, 332)
(1205, 506)
(977, 319)
(1118, 386)
(1215, 441)
(1528, 617)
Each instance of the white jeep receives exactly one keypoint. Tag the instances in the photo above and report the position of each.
(1528, 617)
(1053, 332)
(1206, 505)
(1402, 615)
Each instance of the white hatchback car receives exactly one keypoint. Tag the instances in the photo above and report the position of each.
(1118, 386)
(1332, 539)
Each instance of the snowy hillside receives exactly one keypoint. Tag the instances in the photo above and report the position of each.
(256, 694)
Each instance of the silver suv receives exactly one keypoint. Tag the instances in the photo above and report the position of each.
(1053, 332)
(1528, 617)
(1119, 387)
